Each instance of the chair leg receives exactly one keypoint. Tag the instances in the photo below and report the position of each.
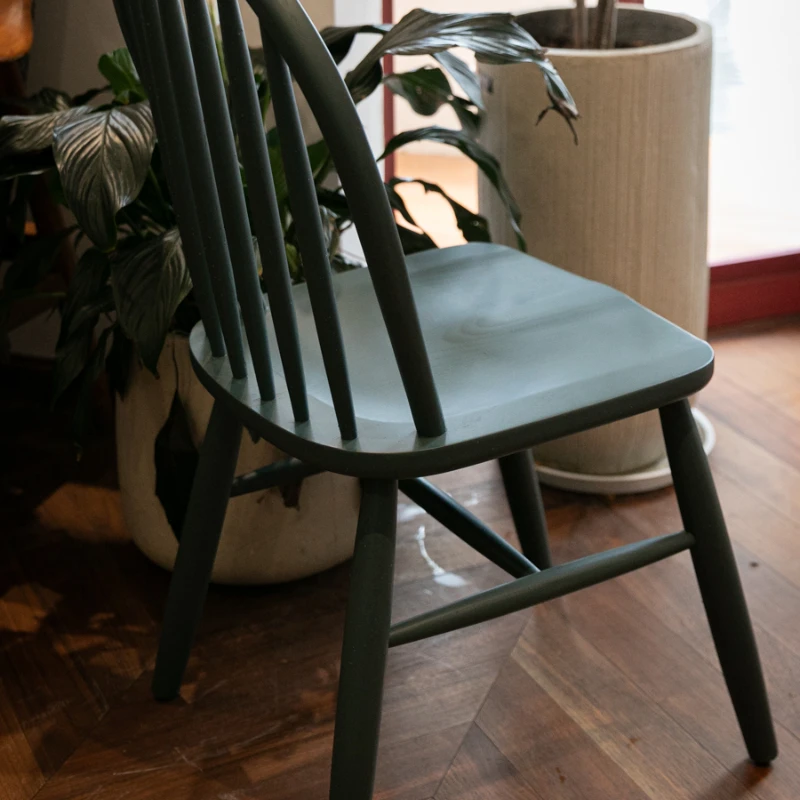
(527, 507)
(719, 581)
(366, 642)
(198, 548)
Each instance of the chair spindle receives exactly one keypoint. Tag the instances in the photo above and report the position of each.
(249, 126)
(301, 46)
(225, 161)
(174, 160)
(165, 34)
(313, 248)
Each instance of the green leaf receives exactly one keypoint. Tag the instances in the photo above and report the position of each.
(149, 281)
(103, 160)
(319, 157)
(118, 69)
(295, 263)
(414, 241)
(340, 40)
(88, 294)
(463, 75)
(84, 98)
(366, 84)
(48, 99)
(473, 227)
(42, 102)
(398, 204)
(88, 297)
(335, 201)
(483, 159)
(71, 358)
(262, 82)
(470, 119)
(427, 90)
(28, 134)
(494, 38)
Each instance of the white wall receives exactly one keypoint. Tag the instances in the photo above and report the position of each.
(71, 35)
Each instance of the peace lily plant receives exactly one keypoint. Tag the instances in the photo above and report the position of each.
(103, 162)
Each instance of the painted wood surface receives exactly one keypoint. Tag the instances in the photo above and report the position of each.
(521, 353)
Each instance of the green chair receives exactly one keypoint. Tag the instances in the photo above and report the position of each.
(408, 368)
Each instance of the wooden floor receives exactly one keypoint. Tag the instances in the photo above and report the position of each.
(613, 693)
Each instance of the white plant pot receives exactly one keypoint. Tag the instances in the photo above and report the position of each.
(629, 205)
(263, 540)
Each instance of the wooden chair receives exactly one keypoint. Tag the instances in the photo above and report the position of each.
(409, 368)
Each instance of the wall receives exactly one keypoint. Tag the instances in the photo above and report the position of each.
(70, 36)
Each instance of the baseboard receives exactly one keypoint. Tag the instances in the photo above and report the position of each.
(745, 291)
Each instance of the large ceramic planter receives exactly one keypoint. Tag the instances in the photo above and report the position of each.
(629, 205)
(263, 539)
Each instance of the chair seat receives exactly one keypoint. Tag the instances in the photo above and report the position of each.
(522, 352)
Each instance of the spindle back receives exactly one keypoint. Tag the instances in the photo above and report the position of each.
(198, 125)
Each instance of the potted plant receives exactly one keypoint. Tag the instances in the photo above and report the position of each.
(628, 206)
(129, 306)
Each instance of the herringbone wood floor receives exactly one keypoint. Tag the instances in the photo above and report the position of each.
(611, 694)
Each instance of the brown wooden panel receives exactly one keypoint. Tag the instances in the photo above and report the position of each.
(614, 692)
(550, 749)
(482, 772)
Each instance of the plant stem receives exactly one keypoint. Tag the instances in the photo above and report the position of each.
(605, 31)
(129, 221)
(580, 25)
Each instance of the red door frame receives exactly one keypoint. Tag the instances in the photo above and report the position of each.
(388, 97)
(740, 291)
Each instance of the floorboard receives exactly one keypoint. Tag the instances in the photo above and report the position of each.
(614, 693)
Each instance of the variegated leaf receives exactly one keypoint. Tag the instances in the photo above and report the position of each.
(149, 282)
(33, 132)
(495, 38)
(102, 160)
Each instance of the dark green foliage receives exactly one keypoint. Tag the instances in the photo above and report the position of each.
(484, 160)
(103, 162)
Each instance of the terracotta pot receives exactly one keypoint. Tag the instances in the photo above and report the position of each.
(629, 205)
(263, 540)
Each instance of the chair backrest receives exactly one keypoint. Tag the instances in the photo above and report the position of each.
(175, 53)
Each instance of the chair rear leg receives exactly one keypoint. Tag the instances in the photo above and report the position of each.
(719, 581)
(527, 507)
(366, 642)
(198, 548)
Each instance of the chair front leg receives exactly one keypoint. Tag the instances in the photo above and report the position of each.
(719, 581)
(366, 642)
(198, 548)
(527, 507)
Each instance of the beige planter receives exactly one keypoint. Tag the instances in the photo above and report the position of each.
(263, 541)
(629, 205)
